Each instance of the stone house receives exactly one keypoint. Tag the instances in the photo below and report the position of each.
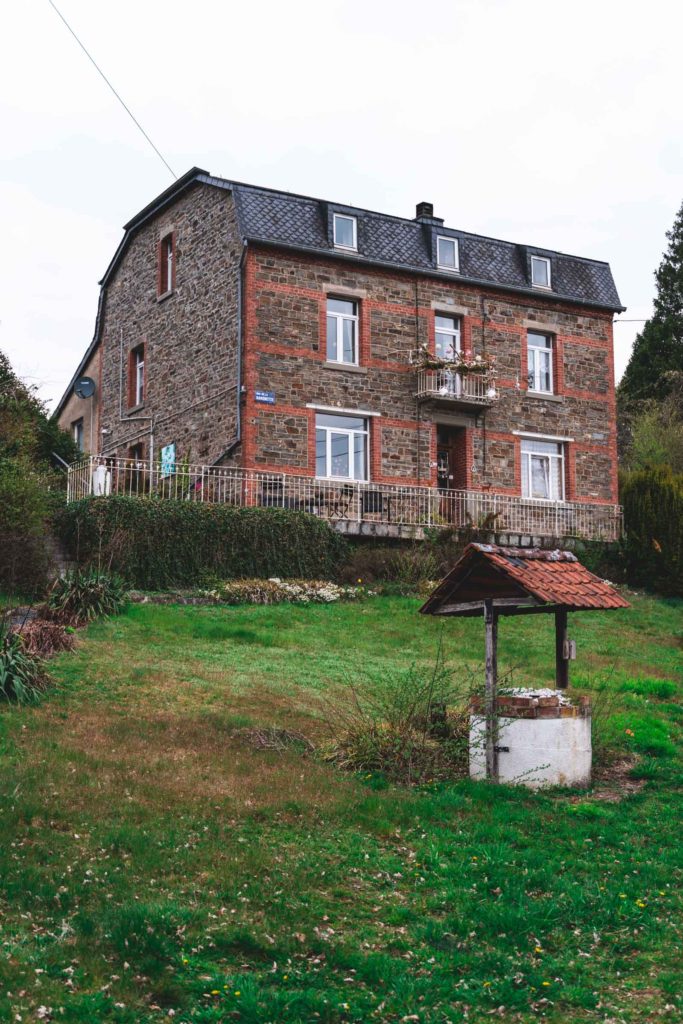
(367, 367)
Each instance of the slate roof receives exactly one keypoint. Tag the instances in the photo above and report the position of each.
(303, 223)
(545, 577)
(283, 218)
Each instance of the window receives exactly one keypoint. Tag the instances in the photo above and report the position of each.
(77, 433)
(540, 363)
(446, 336)
(543, 470)
(341, 447)
(447, 254)
(345, 233)
(136, 453)
(136, 394)
(166, 264)
(540, 272)
(342, 331)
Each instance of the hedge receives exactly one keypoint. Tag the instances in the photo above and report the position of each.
(653, 524)
(155, 544)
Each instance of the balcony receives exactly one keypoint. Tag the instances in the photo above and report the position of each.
(472, 391)
(352, 507)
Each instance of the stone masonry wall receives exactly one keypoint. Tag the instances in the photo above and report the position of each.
(286, 355)
(87, 409)
(190, 336)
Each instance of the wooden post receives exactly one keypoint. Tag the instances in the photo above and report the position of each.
(561, 663)
(491, 732)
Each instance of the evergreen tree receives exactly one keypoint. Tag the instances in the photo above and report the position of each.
(657, 358)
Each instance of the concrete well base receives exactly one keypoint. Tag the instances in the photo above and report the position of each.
(541, 751)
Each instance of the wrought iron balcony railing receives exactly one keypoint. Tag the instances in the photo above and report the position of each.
(345, 503)
(471, 389)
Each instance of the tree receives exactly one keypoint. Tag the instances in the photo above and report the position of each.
(30, 489)
(26, 429)
(658, 349)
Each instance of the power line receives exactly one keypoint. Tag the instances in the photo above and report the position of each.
(625, 320)
(102, 74)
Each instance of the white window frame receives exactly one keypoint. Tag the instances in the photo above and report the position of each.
(456, 244)
(534, 372)
(546, 261)
(78, 433)
(351, 434)
(353, 319)
(167, 257)
(139, 369)
(455, 332)
(354, 223)
(527, 456)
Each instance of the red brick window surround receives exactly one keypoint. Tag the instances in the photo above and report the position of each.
(343, 323)
(166, 265)
(136, 376)
(541, 363)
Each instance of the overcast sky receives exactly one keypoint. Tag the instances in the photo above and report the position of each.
(555, 124)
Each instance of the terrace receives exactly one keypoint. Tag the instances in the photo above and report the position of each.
(352, 507)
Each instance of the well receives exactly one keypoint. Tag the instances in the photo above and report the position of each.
(538, 738)
(544, 739)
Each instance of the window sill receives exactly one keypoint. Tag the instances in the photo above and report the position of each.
(448, 270)
(542, 287)
(348, 367)
(546, 397)
(131, 410)
(166, 295)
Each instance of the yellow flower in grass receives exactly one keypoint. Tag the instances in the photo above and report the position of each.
(538, 949)
(545, 984)
(486, 984)
(238, 993)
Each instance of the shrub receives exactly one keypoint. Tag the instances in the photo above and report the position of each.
(24, 506)
(156, 544)
(84, 595)
(653, 521)
(276, 591)
(412, 727)
(405, 567)
(44, 638)
(22, 675)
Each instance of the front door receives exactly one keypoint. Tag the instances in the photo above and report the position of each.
(450, 467)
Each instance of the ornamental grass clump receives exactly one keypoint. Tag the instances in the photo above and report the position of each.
(22, 674)
(83, 595)
(411, 728)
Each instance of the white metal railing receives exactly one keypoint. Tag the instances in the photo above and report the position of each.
(346, 501)
(470, 388)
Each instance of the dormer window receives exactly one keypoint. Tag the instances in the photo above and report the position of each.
(540, 272)
(345, 234)
(447, 254)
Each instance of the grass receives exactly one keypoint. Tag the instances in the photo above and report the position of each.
(153, 861)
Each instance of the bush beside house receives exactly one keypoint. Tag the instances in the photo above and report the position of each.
(653, 518)
(158, 544)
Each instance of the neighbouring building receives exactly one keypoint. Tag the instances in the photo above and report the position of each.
(377, 370)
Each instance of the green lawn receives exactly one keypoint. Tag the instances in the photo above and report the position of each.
(153, 861)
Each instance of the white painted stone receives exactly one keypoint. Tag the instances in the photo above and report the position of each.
(543, 751)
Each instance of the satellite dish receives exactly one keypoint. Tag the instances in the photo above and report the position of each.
(84, 387)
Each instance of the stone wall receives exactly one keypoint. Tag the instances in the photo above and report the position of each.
(286, 355)
(190, 336)
(87, 409)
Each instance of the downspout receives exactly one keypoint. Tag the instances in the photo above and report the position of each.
(417, 400)
(238, 368)
(484, 316)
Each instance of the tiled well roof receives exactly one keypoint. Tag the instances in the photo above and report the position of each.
(524, 575)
